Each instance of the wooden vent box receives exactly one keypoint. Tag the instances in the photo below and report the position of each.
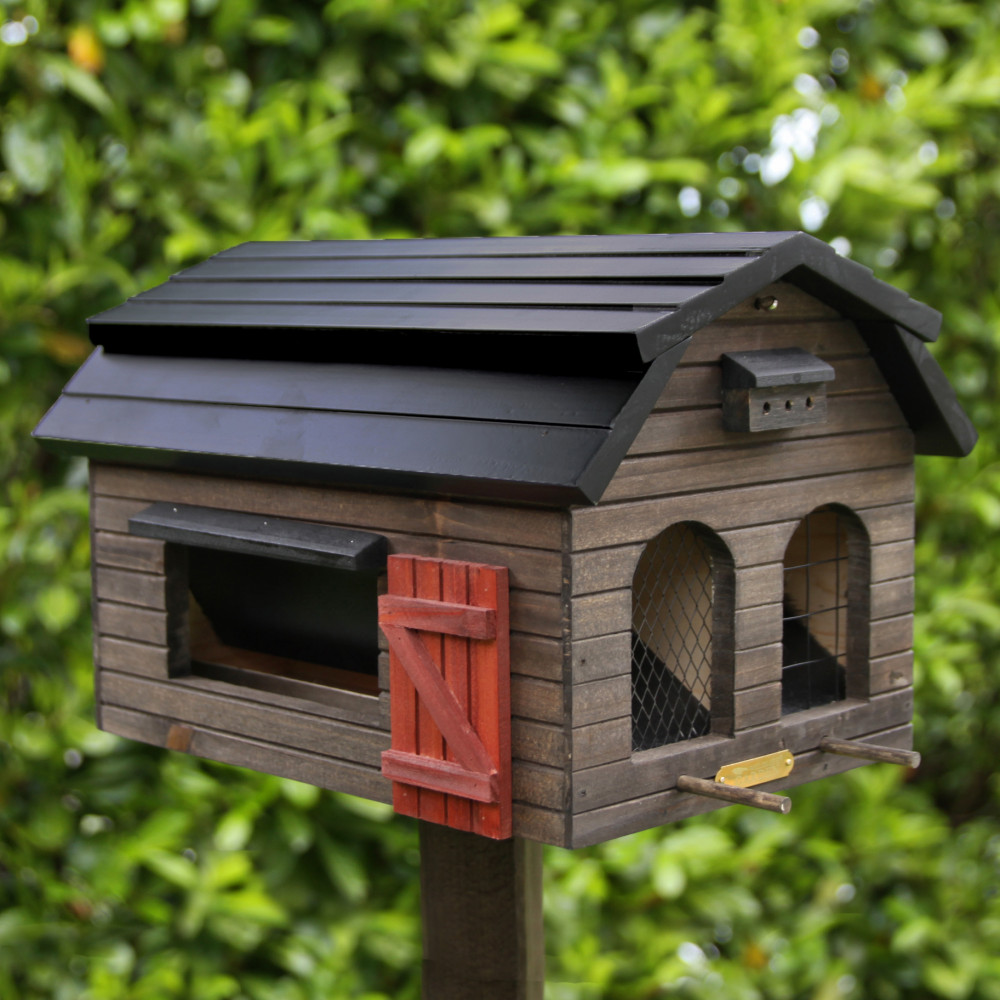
(512, 532)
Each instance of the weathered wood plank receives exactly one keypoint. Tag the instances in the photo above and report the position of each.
(314, 769)
(656, 808)
(543, 825)
(601, 614)
(535, 613)
(536, 656)
(656, 770)
(132, 657)
(892, 598)
(605, 656)
(185, 702)
(128, 622)
(760, 626)
(793, 304)
(601, 700)
(684, 472)
(685, 430)
(892, 561)
(541, 786)
(602, 742)
(760, 665)
(540, 700)
(756, 706)
(128, 552)
(826, 338)
(638, 520)
(693, 386)
(111, 513)
(539, 742)
(479, 522)
(129, 587)
(892, 672)
(891, 635)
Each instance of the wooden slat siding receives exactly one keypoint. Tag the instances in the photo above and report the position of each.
(196, 707)
(758, 626)
(537, 785)
(891, 635)
(539, 742)
(126, 621)
(634, 521)
(793, 304)
(479, 522)
(535, 656)
(145, 590)
(314, 769)
(892, 598)
(892, 560)
(110, 512)
(599, 701)
(827, 339)
(544, 825)
(540, 700)
(660, 807)
(128, 552)
(602, 742)
(605, 656)
(718, 468)
(757, 666)
(684, 430)
(699, 385)
(131, 657)
(756, 706)
(891, 673)
(656, 770)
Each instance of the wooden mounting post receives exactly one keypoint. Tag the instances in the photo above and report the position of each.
(481, 903)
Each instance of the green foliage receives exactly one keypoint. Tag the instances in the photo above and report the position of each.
(140, 136)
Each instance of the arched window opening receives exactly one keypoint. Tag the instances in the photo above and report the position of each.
(825, 615)
(679, 608)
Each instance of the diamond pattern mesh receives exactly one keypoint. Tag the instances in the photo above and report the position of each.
(814, 634)
(672, 639)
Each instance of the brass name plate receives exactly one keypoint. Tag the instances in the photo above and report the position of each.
(757, 770)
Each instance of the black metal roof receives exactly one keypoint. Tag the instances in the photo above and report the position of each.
(515, 368)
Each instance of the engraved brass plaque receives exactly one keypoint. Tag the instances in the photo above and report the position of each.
(757, 770)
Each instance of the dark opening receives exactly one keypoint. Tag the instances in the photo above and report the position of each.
(676, 642)
(825, 613)
(282, 619)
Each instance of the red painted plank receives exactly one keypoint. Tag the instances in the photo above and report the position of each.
(455, 589)
(442, 774)
(437, 616)
(403, 695)
(430, 742)
(439, 702)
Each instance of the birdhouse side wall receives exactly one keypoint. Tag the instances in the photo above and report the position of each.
(751, 490)
(140, 642)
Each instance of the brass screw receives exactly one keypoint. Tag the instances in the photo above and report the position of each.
(767, 303)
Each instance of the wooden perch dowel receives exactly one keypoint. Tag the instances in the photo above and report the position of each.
(731, 793)
(869, 751)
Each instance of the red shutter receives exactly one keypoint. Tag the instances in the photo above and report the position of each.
(448, 628)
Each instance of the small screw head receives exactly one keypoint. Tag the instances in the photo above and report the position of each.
(767, 303)
(721, 780)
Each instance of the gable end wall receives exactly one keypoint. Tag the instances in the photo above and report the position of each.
(752, 489)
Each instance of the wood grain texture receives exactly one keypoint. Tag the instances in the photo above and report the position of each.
(478, 522)
(128, 552)
(826, 339)
(639, 520)
(637, 776)
(123, 586)
(481, 908)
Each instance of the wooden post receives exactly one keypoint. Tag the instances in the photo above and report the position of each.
(481, 903)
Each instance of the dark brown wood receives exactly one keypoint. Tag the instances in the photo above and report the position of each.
(128, 552)
(729, 793)
(179, 738)
(870, 751)
(638, 520)
(481, 904)
(542, 700)
(826, 339)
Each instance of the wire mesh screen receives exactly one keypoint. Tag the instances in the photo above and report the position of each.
(672, 593)
(814, 634)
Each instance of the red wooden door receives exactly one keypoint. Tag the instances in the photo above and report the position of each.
(448, 629)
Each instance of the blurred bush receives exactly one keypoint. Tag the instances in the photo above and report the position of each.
(137, 137)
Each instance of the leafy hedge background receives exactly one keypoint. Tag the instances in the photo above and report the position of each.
(138, 136)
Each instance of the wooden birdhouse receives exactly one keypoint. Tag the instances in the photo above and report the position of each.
(560, 538)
